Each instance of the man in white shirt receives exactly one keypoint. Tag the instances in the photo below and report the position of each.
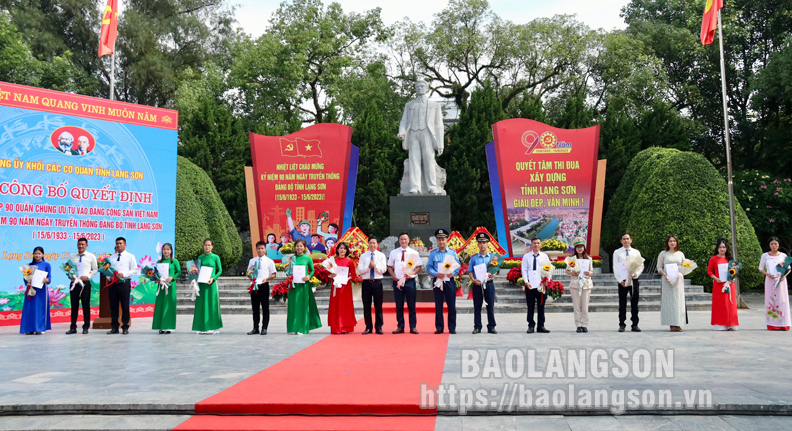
(531, 263)
(87, 268)
(259, 290)
(630, 285)
(402, 257)
(126, 266)
(371, 266)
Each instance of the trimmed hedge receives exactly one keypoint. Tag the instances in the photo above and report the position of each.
(667, 191)
(200, 214)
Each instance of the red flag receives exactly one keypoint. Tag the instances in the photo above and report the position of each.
(109, 28)
(309, 148)
(288, 148)
(710, 22)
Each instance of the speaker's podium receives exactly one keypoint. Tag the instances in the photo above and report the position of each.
(104, 321)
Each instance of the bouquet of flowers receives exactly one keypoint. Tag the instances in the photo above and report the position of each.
(408, 266)
(107, 269)
(324, 217)
(734, 269)
(252, 274)
(687, 267)
(322, 273)
(71, 272)
(495, 264)
(447, 267)
(287, 248)
(782, 269)
(458, 279)
(280, 291)
(150, 274)
(515, 276)
(192, 275)
(554, 288)
(571, 264)
(545, 271)
(634, 263)
(27, 274)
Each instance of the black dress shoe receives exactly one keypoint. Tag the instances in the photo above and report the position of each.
(125, 332)
(635, 328)
(543, 330)
(492, 331)
(621, 328)
(263, 331)
(477, 331)
(529, 331)
(113, 331)
(413, 331)
(584, 329)
(399, 331)
(452, 331)
(71, 331)
(367, 331)
(85, 331)
(253, 332)
(579, 330)
(436, 332)
(379, 331)
(161, 331)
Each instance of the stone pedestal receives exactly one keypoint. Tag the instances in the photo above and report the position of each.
(420, 215)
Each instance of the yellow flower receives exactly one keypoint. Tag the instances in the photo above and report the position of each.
(686, 264)
(547, 267)
(28, 271)
(732, 271)
(410, 264)
(571, 263)
(447, 266)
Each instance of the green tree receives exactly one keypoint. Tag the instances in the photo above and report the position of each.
(200, 214)
(18, 65)
(620, 141)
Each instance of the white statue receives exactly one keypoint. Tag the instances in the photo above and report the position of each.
(421, 130)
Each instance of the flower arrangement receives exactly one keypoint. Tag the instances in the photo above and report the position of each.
(553, 244)
(463, 269)
(553, 288)
(514, 276)
(280, 266)
(417, 244)
(280, 291)
(150, 274)
(287, 248)
(687, 267)
(107, 269)
(322, 275)
(455, 242)
(734, 269)
(511, 263)
(546, 270)
(101, 256)
(315, 282)
(192, 275)
(27, 274)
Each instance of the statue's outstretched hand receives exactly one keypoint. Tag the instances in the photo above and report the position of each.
(400, 136)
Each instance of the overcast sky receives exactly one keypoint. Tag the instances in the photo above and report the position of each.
(253, 15)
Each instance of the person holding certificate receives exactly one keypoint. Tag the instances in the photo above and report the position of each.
(206, 319)
(628, 283)
(341, 312)
(371, 266)
(534, 293)
(119, 292)
(403, 266)
(168, 270)
(36, 309)
(264, 269)
(483, 288)
(302, 315)
(672, 295)
(724, 296)
(443, 266)
(80, 287)
(776, 291)
(580, 269)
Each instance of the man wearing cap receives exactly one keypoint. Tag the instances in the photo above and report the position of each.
(371, 266)
(304, 233)
(404, 287)
(447, 290)
(531, 262)
(483, 291)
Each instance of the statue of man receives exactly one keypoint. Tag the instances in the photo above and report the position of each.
(421, 130)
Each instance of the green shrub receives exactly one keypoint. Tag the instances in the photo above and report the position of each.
(200, 214)
(667, 191)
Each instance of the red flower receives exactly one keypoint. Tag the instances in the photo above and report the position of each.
(513, 275)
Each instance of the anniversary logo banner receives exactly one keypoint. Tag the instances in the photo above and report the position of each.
(74, 166)
(305, 186)
(543, 182)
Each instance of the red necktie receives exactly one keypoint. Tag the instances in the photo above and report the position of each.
(403, 251)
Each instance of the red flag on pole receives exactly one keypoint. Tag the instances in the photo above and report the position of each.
(109, 28)
(710, 22)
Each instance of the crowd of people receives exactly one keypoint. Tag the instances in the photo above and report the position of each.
(401, 267)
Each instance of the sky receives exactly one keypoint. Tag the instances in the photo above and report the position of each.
(254, 15)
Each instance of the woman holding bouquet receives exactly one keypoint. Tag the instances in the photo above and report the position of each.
(165, 306)
(580, 283)
(302, 315)
(672, 295)
(36, 309)
(776, 291)
(724, 304)
(207, 305)
(341, 314)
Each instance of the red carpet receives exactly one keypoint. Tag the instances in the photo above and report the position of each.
(340, 376)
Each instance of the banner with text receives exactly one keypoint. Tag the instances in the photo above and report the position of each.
(74, 166)
(543, 182)
(305, 186)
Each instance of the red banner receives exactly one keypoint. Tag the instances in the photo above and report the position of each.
(302, 184)
(38, 99)
(547, 181)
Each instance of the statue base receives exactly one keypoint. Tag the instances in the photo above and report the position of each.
(420, 215)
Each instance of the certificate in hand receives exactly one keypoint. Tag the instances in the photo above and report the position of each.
(723, 272)
(205, 274)
(37, 280)
(584, 265)
(262, 275)
(163, 269)
(82, 269)
(299, 273)
(535, 279)
(342, 275)
(480, 271)
(621, 269)
(773, 266)
(672, 271)
(398, 269)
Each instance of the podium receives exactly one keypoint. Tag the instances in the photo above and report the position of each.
(104, 321)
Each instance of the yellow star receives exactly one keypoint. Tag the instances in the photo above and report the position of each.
(307, 147)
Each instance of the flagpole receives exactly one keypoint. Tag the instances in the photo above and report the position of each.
(732, 218)
(112, 74)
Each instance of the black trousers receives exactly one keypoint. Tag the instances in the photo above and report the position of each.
(81, 293)
(536, 301)
(634, 295)
(407, 292)
(479, 296)
(448, 295)
(372, 290)
(119, 294)
(260, 299)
